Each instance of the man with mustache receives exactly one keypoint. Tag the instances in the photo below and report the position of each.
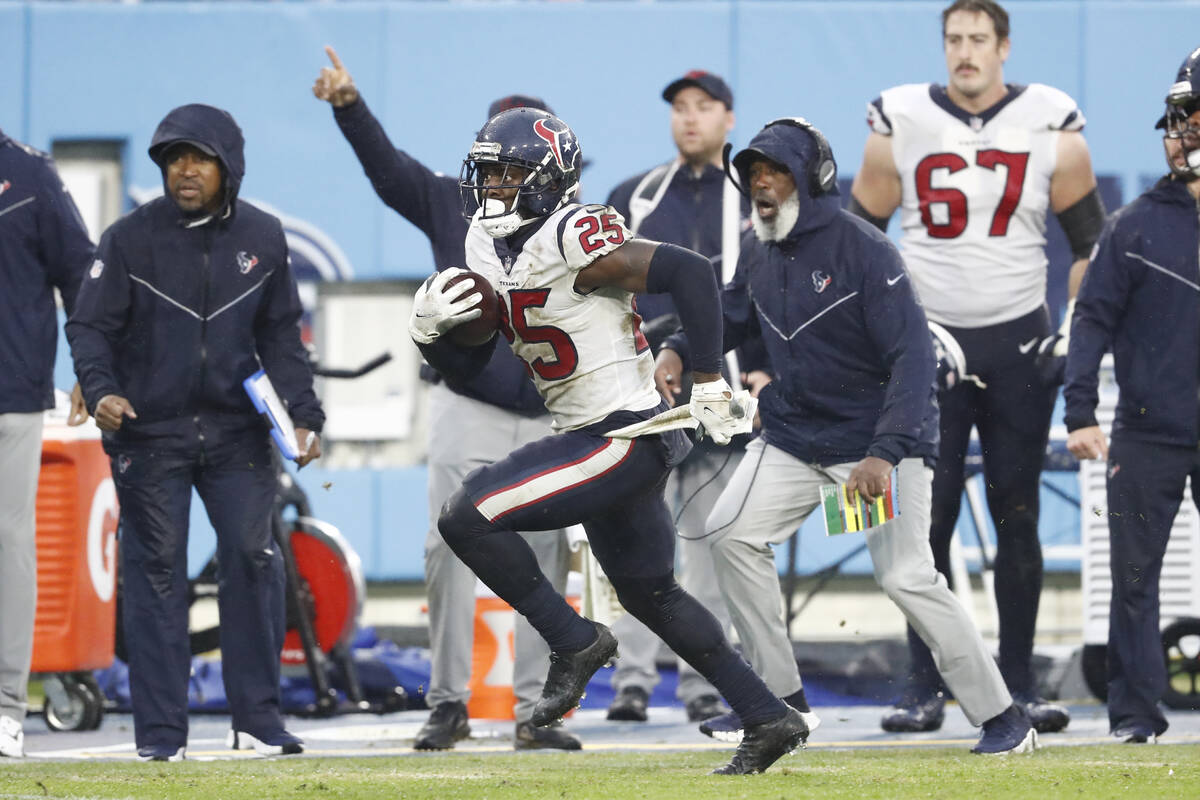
(191, 294)
(852, 403)
(973, 166)
(1138, 300)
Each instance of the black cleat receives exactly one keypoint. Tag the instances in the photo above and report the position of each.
(446, 725)
(915, 716)
(1047, 717)
(629, 705)
(569, 675)
(764, 744)
(705, 707)
(552, 737)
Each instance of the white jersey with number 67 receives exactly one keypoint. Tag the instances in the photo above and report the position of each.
(975, 192)
(585, 351)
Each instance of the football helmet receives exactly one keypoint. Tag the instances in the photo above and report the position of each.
(532, 152)
(1183, 100)
(951, 361)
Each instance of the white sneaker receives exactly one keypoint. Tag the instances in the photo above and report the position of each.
(12, 738)
(281, 744)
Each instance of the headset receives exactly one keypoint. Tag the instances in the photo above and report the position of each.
(822, 170)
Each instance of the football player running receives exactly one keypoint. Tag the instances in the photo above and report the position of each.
(973, 166)
(566, 274)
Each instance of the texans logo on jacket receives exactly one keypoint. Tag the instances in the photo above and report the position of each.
(246, 261)
(820, 281)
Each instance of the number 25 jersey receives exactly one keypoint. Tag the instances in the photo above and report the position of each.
(584, 350)
(975, 192)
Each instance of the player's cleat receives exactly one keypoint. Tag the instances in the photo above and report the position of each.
(1010, 731)
(276, 744)
(1047, 717)
(551, 737)
(569, 675)
(705, 707)
(446, 725)
(766, 743)
(914, 715)
(1136, 734)
(12, 738)
(161, 752)
(728, 727)
(629, 705)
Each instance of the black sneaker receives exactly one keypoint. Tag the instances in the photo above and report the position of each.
(727, 727)
(1010, 731)
(764, 744)
(1136, 734)
(551, 737)
(706, 706)
(569, 675)
(1047, 717)
(629, 705)
(161, 752)
(277, 744)
(446, 725)
(914, 715)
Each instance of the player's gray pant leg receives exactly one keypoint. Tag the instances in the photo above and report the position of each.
(465, 434)
(20, 463)
(762, 505)
(904, 568)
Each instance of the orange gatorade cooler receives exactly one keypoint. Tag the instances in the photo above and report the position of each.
(491, 683)
(76, 552)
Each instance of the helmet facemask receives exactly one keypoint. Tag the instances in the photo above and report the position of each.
(1182, 127)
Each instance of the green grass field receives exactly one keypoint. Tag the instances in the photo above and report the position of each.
(1091, 772)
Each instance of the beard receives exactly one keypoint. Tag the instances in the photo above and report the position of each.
(778, 227)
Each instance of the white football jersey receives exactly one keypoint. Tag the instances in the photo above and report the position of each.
(975, 193)
(585, 352)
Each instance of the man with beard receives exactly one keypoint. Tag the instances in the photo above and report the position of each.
(853, 402)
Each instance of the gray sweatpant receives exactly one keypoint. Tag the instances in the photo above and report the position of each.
(464, 434)
(20, 464)
(692, 490)
(769, 496)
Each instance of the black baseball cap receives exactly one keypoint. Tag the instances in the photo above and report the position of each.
(711, 84)
(517, 101)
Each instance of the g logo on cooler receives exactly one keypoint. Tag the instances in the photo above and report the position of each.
(102, 540)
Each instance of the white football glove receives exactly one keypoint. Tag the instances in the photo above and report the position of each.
(722, 412)
(437, 309)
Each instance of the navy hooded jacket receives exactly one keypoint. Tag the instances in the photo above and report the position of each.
(1140, 297)
(178, 311)
(846, 337)
(43, 244)
(433, 203)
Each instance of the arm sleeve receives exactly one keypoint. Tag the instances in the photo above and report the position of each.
(406, 185)
(1099, 307)
(739, 322)
(66, 249)
(97, 321)
(282, 354)
(896, 324)
(688, 277)
(459, 364)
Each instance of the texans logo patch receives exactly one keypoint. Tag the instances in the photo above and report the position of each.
(246, 261)
(5, 186)
(820, 281)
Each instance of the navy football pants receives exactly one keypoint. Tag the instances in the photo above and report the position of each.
(237, 484)
(614, 487)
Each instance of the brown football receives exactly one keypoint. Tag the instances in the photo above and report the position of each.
(482, 328)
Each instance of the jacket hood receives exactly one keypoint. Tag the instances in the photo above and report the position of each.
(796, 149)
(213, 131)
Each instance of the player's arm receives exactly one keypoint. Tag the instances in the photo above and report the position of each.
(640, 266)
(876, 191)
(1075, 200)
